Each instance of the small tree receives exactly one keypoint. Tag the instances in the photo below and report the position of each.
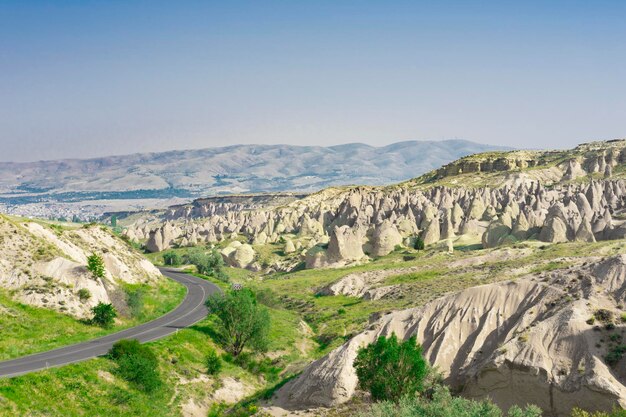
(103, 315)
(95, 264)
(243, 322)
(172, 258)
(213, 363)
(419, 243)
(136, 364)
(389, 369)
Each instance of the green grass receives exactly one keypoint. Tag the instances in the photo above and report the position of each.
(27, 329)
(413, 277)
(92, 388)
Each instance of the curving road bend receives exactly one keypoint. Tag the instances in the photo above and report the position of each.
(190, 311)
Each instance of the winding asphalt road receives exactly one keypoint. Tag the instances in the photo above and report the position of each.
(190, 311)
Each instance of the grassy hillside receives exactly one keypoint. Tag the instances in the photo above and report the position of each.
(27, 329)
(93, 388)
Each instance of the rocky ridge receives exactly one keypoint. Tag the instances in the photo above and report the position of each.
(347, 225)
(45, 265)
(358, 223)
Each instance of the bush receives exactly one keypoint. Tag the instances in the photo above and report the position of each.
(242, 321)
(604, 316)
(103, 315)
(389, 369)
(127, 347)
(172, 258)
(419, 244)
(84, 294)
(213, 363)
(211, 264)
(137, 364)
(615, 355)
(443, 404)
(95, 264)
(134, 300)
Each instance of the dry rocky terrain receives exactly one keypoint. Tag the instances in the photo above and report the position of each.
(542, 339)
(340, 226)
(45, 265)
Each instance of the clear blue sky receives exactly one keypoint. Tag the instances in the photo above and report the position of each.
(86, 78)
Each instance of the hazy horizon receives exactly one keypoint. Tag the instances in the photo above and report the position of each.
(85, 80)
(253, 144)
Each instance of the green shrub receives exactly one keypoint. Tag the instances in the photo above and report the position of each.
(95, 264)
(419, 244)
(443, 404)
(103, 315)
(604, 316)
(172, 258)
(242, 321)
(84, 294)
(127, 347)
(137, 364)
(213, 363)
(615, 355)
(211, 264)
(389, 369)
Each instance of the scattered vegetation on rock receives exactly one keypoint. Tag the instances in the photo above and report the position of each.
(95, 264)
(442, 404)
(84, 294)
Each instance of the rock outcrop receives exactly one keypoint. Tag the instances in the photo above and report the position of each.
(526, 341)
(46, 266)
(238, 255)
(360, 222)
(540, 195)
(385, 238)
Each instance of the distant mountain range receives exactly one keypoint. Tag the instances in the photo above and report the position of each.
(225, 170)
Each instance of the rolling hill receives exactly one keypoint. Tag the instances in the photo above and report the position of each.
(91, 186)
